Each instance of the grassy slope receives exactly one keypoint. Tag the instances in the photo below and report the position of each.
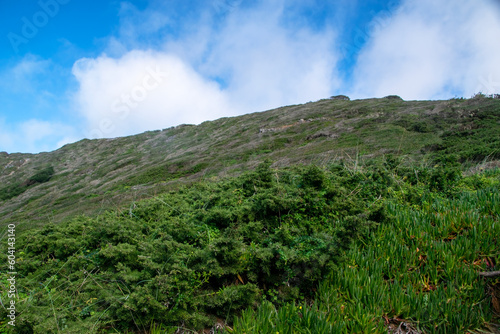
(403, 239)
(93, 175)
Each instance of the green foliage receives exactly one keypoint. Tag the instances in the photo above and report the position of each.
(263, 173)
(393, 97)
(445, 175)
(290, 318)
(305, 249)
(391, 162)
(186, 257)
(42, 176)
(340, 97)
(16, 189)
(476, 138)
(165, 172)
(11, 191)
(314, 177)
(419, 268)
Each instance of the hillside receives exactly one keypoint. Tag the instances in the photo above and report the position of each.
(336, 216)
(91, 176)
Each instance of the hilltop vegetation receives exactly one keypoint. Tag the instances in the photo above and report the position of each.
(332, 217)
(94, 175)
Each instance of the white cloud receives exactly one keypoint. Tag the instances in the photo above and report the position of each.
(431, 49)
(143, 90)
(251, 62)
(268, 64)
(23, 77)
(27, 94)
(34, 136)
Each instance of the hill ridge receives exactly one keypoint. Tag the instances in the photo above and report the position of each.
(93, 174)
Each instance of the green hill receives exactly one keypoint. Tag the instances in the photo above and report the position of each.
(336, 216)
(93, 175)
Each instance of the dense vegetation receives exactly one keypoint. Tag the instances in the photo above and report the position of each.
(304, 249)
(419, 272)
(94, 175)
(13, 190)
(364, 216)
(473, 139)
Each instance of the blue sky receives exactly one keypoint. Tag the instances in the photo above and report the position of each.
(73, 69)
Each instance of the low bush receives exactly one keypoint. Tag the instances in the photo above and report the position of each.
(418, 271)
(18, 188)
(210, 250)
(42, 176)
(299, 250)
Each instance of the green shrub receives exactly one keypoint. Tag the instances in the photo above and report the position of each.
(314, 177)
(18, 188)
(42, 176)
(446, 175)
(11, 191)
(418, 269)
(378, 241)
